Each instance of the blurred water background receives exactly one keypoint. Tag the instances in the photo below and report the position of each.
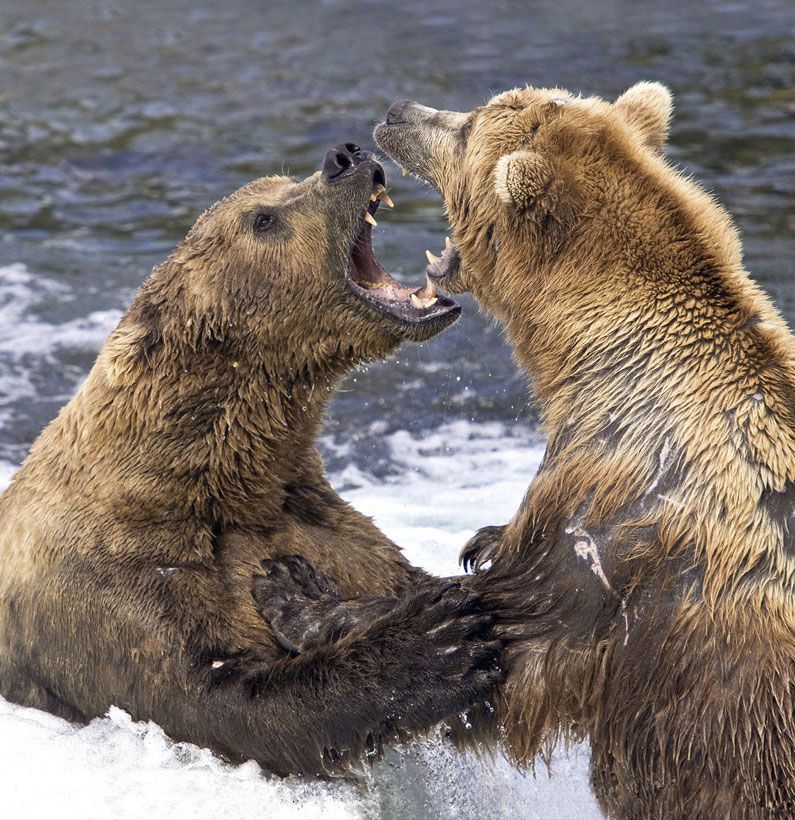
(121, 122)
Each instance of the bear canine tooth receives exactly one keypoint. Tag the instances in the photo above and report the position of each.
(428, 292)
(431, 257)
(404, 171)
(419, 300)
(386, 199)
(430, 288)
(447, 243)
(368, 217)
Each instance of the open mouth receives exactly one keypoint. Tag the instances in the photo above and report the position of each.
(390, 135)
(369, 281)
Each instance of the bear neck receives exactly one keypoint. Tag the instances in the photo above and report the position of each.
(234, 442)
(174, 411)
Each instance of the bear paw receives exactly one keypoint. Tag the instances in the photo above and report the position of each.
(296, 598)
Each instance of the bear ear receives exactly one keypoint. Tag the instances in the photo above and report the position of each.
(521, 178)
(647, 107)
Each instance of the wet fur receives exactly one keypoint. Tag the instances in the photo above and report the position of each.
(646, 582)
(134, 532)
(445, 620)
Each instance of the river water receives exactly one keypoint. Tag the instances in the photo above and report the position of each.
(121, 122)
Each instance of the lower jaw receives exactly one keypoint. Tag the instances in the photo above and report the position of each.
(450, 284)
(411, 323)
(406, 307)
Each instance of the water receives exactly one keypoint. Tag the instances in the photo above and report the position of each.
(121, 122)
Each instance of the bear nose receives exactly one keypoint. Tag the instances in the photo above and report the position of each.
(397, 112)
(342, 158)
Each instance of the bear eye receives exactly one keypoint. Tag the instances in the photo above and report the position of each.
(263, 221)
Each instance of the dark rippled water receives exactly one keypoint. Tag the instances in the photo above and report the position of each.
(120, 122)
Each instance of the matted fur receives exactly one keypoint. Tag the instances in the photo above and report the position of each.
(647, 582)
(133, 535)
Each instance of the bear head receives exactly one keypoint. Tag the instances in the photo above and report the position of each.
(281, 272)
(522, 171)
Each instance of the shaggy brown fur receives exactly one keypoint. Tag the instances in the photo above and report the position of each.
(646, 582)
(132, 537)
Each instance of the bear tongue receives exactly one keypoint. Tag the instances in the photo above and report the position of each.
(367, 272)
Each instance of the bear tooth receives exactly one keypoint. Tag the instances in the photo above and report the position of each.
(404, 171)
(368, 217)
(426, 297)
(386, 199)
(217, 664)
(447, 243)
(431, 257)
(428, 293)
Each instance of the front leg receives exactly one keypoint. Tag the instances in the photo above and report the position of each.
(324, 711)
(304, 607)
(307, 612)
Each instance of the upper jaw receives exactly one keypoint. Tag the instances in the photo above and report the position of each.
(415, 136)
(403, 144)
(403, 137)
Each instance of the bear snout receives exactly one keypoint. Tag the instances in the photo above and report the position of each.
(397, 112)
(344, 160)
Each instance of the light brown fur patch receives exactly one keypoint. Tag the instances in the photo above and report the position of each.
(666, 380)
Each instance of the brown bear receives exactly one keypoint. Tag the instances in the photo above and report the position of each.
(158, 513)
(647, 583)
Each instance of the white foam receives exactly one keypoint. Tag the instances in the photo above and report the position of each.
(455, 480)
(21, 331)
(115, 767)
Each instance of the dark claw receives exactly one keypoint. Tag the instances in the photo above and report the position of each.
(480, 548)
(300, 576)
